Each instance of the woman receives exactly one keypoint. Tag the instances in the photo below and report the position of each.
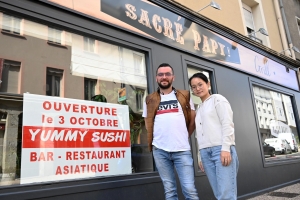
(216, 141)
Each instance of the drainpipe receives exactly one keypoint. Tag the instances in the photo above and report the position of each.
(287, 29)
(281, 27)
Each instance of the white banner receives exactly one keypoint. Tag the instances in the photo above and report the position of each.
(67, 138)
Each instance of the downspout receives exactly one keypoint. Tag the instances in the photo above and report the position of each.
(287, 29)
(281, 27)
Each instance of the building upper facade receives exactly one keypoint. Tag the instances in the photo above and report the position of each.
(246, 17)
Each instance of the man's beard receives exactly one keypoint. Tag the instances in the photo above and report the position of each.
(165, 86)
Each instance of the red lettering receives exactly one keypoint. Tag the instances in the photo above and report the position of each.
(112, 155)
(73, 120)
(68, 155)
(106, 167)
(77, 169)
(75, 157)
(66, 169)
(49, 120)
(49, 156)
(58, 171)
(115, 123)
(93, 168)
(106, 154)
(94, 155)
(80, 121)
(106, 110)
(81, 155)
(75, 108)
(95, 122)
(83, 109)
(46, 105)
(102, 122)
(42, 157)
(109, 122)
(88, 120)
(88, 154)
(33, 156)
(114, 111)
(92, 109)
(57, 106)
(67, 106)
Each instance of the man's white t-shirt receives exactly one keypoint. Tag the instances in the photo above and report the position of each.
(170, 132)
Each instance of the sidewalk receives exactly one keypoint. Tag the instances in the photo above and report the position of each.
(289, 192)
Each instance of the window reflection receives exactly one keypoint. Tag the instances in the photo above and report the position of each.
(277, 126)
(85, 69)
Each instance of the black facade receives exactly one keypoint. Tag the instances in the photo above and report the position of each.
(256, 173)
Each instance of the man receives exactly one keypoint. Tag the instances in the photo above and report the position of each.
(169, 116)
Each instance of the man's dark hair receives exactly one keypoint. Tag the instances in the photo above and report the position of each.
(198, 75)
(165, 65)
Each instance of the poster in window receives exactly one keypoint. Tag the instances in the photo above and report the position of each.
(69, 139)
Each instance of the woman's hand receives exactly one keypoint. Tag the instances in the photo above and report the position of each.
(225, 158)
(201, 166)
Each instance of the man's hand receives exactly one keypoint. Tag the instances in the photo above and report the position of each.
(225, 158)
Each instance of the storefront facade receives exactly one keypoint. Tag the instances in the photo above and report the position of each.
(74, 75)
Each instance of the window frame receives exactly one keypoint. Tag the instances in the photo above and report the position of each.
(12, 22)
(58, 73)
(279, 89)
(194, 64)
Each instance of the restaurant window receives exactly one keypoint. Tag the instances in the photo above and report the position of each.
(11, 24)
(91, 103)
(53, 86)
(9, 76)
(277, 127)
(55, 36)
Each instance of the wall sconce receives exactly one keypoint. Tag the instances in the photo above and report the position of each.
(261, 30)
(212, 4)
(294, 48)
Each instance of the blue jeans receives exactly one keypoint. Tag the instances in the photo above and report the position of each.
(183, 163)
(221, 178)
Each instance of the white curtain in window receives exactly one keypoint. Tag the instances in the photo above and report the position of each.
(54, 35)
(12, 24)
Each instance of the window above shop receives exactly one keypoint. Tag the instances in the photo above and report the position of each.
(9, 76)
(55, 36)
(11, 24)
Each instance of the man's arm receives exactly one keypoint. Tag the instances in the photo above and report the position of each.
(192, 125)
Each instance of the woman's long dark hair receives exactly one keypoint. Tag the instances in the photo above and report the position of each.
(198, 75)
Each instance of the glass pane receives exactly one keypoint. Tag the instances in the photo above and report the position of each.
(278, 132)
(81, 118)
(196, 100)
(192, 71)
